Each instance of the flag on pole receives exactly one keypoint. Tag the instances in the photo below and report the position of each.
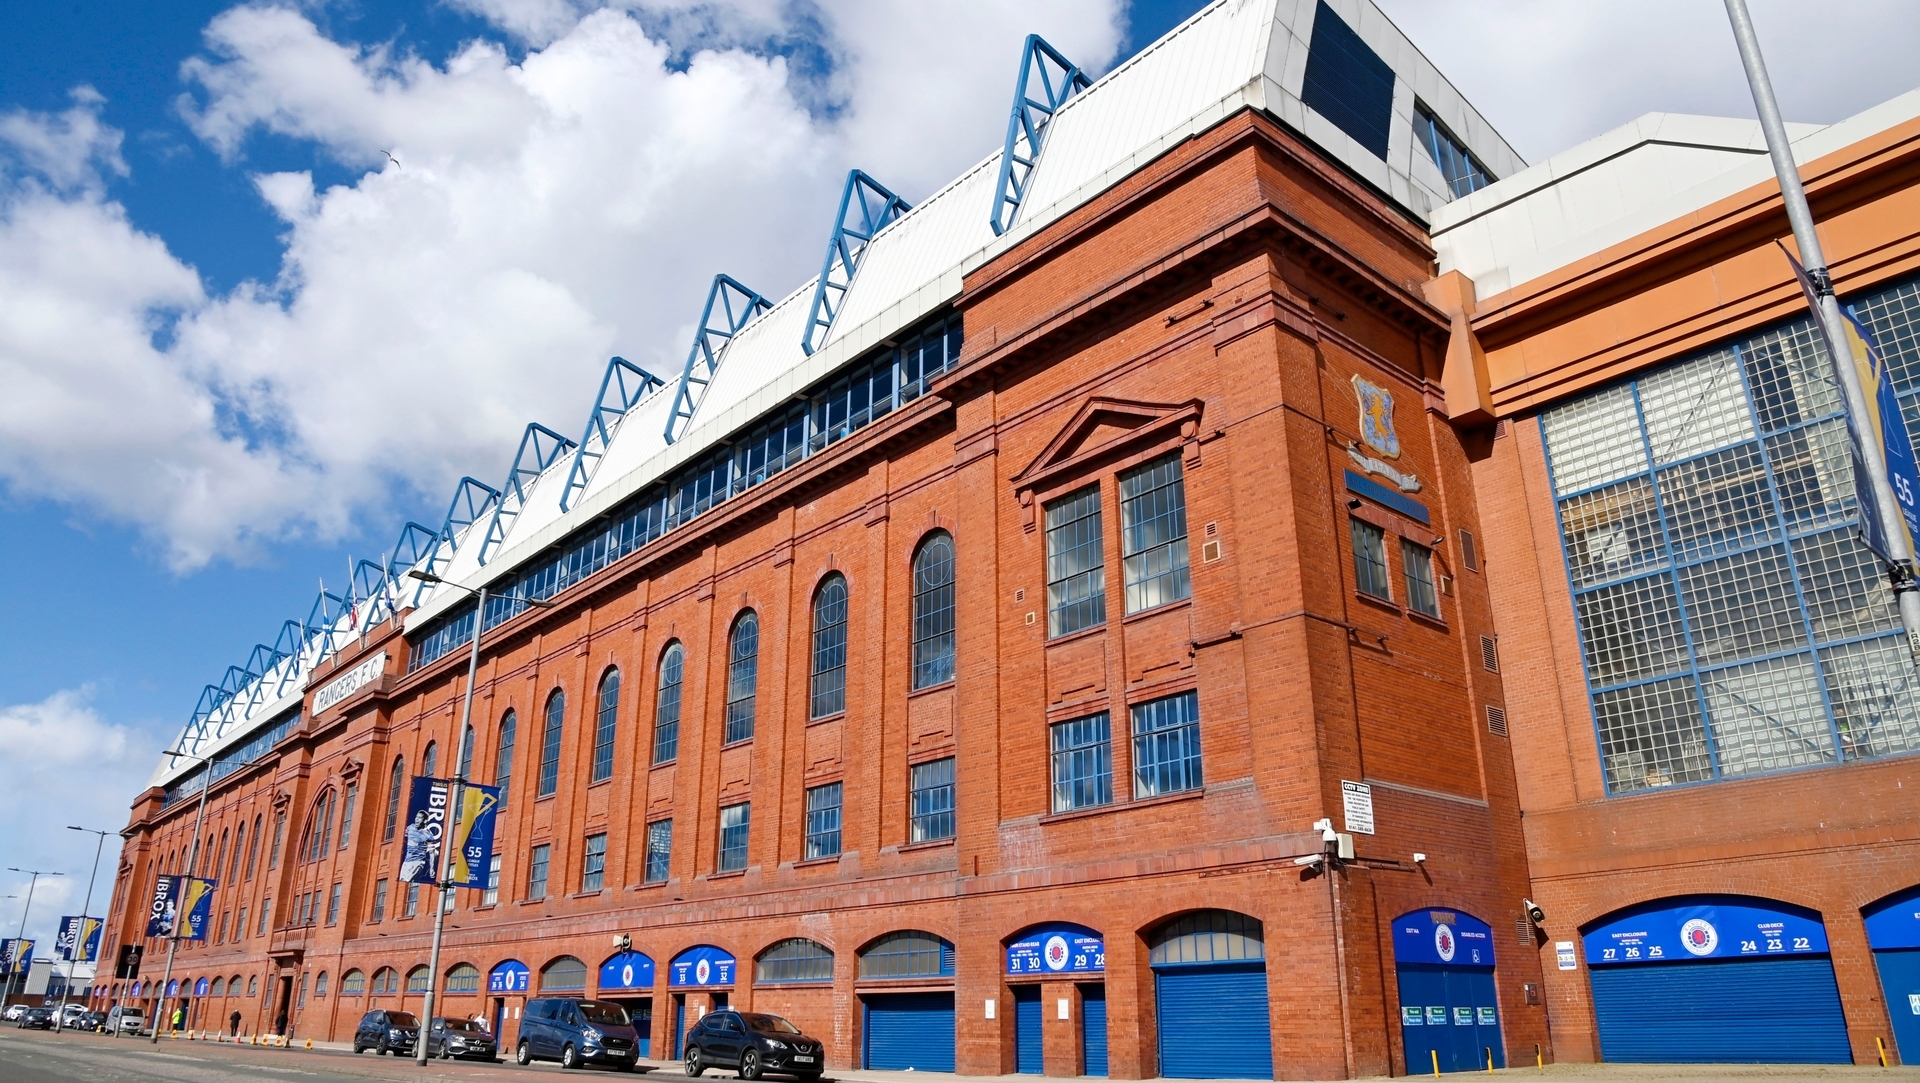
(353, 598)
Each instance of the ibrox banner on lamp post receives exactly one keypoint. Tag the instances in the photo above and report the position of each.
(180, 908)
(79, 939)
(432, 812)
(15, 956)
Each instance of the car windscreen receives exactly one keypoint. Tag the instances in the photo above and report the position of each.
(769, 1024)
(607, 1015)
(402, 1019)
(464, 1026)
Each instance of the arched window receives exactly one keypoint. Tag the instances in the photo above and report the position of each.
(393, 794)
(239, 844)
(829, 648)
(564, 975)
(795, 959)
(279, 833)
(346, 813)
(606, 721)
(318, 834)
(220, 855)
(666, 711)
(253, 851)
(550, 745)
(907, 954)
(386, 980)
(417, 981)
(1207, 936)
(463, 978)
(253, 985)
(933, 639)
(503, 760)
(430, 760)
(743, 674)
(466, 752)
(354, 984)
(320, 985)
(218, 988)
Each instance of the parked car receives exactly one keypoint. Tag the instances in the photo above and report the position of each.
(752, 1043)
(37, 1019)
(88, 1021)
(14, 1012)
(387, 1032)
(126, 1019)
(449, 1038)
(574, 1032)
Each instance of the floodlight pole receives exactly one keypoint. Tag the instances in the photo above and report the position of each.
(36, 874)
(80, 937)
(443, 891)
(193, 861)
(1872, 458)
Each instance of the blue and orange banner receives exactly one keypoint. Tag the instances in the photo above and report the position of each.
(441, 806)
(181, 908)
(79, 939)
(16, 956)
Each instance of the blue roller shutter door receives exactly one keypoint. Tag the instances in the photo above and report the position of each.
(1028, 1052)
(1213, 1021)
(1093, 1028)
(1900, 977)
(910, 1030)
(1783, 1010)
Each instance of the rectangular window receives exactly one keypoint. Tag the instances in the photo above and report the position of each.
(413, 901)
(491, 895)
(279, 831)
(1416, 566)
(1465, 175)
(1076, 564)
(659, 850)
(593, 873)
(1166, 745)
(240, 925)
(823, 821)
(537, 871)
(379, 902)
(1347, 82)
(931, 808)
(734, 821)
(266, 914)
(1370, 559)
(1082, 763)
(346, 813)
(1153, 534)
(333, 905)
(221, 938)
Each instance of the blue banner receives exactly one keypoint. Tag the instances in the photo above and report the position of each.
(1705, 927)
(627, 970)
(701, 966)
(79, 939)
(182, 907)
(511, 976)
(1442, 938)
(15, 956)
(1057, 949)
(1895, 922)
(200, 987)
(434, 803)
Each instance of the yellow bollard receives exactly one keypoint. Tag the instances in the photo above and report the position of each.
(309, 1045)
(1435, 1053)
(1882, 1043)
(253, 1039)
(1539, 1058)
(1489, 1052)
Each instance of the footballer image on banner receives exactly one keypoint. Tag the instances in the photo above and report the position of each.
(163, 913)
(79, 939)
(426, 825)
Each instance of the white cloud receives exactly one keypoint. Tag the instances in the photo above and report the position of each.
(65, 765)
(67, 149)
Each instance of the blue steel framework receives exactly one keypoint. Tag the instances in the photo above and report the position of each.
(547, 446)
(628, 383)
(878, 209)
(738, 305)
(1059, 80)
(1719, 584)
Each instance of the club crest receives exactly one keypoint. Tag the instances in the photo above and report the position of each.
(1376, 418)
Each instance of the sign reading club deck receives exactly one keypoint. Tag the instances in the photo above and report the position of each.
(351, 681)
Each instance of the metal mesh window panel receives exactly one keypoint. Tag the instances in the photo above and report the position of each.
(564, 975)
(1469, 551)
(823, 821)
(1416, 566)
(491, 894)
(931, 800)
(1876, 704)
(1076, 564)
(1695, 407)
(1791, 380)
(659, 850)
(1844, 585)
(1082, 763)
(933, 612)
(1768, 716)
(605, 722)
(1651, 736)
(829, 685)
(550, 745)
(1166, 745)
(1370, 559)
(464, 978)
(666, 710)
(1742, 605)
(1496, 720)
(503, 759)
(743, 675)
(1153, 534)
(1893, 318)
(1813, 474)
(1717, 503)
(1594, 440)
(593, 869)
(1209, 936)
(907, 955)
(1489, 654)
(1612, 532)
(794, 959)
(1631, 630)
(537, 871)
(735, 821)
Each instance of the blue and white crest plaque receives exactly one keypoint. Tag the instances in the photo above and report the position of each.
(1376, 418)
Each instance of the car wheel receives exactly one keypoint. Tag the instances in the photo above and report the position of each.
(568, 1058)
(750, 1064)
(523, 1055)
(694, 1067)
(357, 1050)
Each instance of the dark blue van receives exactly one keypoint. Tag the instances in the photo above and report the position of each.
(576, 1032)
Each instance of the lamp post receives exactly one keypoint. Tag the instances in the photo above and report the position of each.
(80, 935)
(444, 891)
(193, 860)
(36, 874)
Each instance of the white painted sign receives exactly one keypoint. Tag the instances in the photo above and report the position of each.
(350, 682)
(1064, 1012)
(1357, 798)
(1563, 951)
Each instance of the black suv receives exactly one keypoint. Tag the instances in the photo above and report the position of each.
(458, 1038)
(576, 1032)
(752, 1042)
(387, 1032)
(36, 1019)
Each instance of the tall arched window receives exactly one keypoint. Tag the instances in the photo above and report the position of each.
(253, 852)
(666, 711)
(933, 611)
(393, 794)
(220, 855)
(466, 753)
(239, 844)
(319, 834)
(431, 760)
(606, 721)
(743, 674)
(550, 745)
(829, 648)
(503, 760)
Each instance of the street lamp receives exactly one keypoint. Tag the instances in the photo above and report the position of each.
(80, 934)
(24, 910)
(193, 860)
(444, 894)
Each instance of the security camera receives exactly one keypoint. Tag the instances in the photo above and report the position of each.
(1310, 859)
(1534, 913)
(1419, 858)
(1327, 833)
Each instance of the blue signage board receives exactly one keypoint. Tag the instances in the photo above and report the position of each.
(1057, 949)
(627, 970)
(701, 966)
(1895, 923)
(1704, 927)
(173, 988)
(1442, 938)
(434, 804)
(182, 907)
(511, 976)
(200, 987)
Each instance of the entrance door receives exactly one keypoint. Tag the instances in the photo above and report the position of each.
(499, 1021)
(1093, 1029)
(1028, 1050)
(1900, 977)
(679, 1025)
(909, 1030)
(640, 1010)
(1213, 1021)
(1448, 1016)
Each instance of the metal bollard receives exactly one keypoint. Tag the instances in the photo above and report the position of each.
(1489, 1051)
(1882, 1043)
(1539, 1058)
(1435, 1053)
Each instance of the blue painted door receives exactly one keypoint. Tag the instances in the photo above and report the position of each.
(909, 1030)
(1093, 1029)
(1449, 1015)
(1783, 1010)
(1900, 977)
(1213, 1021)
(679, 1026)
(1028, 1050)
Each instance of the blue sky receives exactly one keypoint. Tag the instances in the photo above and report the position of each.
(254, 344)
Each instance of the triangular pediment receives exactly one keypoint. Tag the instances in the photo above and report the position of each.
(1102, 427)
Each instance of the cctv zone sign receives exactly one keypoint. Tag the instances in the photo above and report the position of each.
(435, 806)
